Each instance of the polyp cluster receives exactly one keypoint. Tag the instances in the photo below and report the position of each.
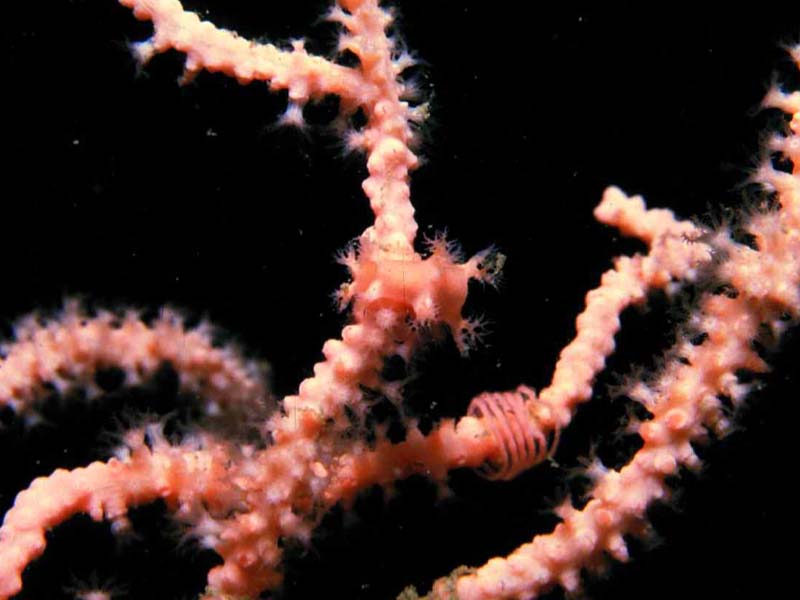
(241, 494)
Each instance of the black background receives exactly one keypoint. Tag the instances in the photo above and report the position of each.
(126, 189)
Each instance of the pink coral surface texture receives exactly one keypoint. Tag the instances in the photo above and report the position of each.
(577, 397)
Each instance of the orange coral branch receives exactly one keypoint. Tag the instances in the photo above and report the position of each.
(242, 498)
(193, 481)
(69, 351)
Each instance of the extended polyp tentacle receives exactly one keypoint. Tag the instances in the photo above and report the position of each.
(392, 301)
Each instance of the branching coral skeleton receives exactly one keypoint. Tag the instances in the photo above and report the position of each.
(241, 496)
